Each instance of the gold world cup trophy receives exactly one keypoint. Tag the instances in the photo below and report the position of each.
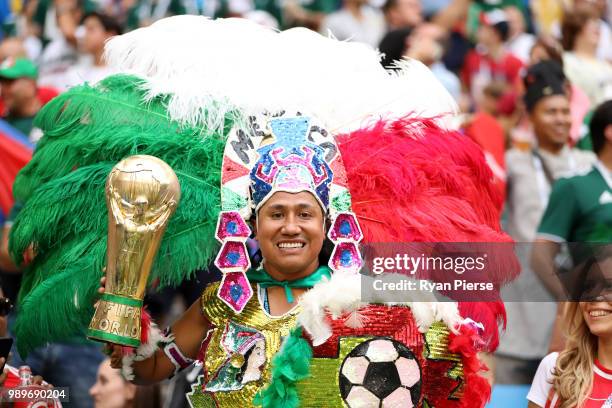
(142, 193)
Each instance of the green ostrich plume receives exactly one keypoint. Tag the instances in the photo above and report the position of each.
(88, 130)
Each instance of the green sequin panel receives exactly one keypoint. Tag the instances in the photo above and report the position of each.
(322, 389)
(342, 202)
(199, 399)
(231, 201)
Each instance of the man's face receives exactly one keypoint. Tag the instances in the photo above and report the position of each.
(551, 120)
(488, 36)
(424, 43)
(16, 93)
(407, 13)
(591, 32)
(95, 36)
(12, 48)
(290, 232)
(515, 20)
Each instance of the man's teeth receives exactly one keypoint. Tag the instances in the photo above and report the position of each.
(598, 313)
(290, 245)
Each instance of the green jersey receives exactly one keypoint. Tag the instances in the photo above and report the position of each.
(580, 208)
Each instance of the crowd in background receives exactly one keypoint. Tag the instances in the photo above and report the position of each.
(527, 76)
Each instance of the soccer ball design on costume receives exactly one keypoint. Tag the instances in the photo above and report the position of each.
(380, 372)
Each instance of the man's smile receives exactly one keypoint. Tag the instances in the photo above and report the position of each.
(290, 245)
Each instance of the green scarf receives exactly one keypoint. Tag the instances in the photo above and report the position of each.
(265, 280)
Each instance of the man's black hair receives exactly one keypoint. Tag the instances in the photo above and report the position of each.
(110, 24)
(602, 118)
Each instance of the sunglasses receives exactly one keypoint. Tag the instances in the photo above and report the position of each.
(5, 306)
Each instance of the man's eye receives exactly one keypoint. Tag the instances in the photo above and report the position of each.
(277, 215)
(305, 215)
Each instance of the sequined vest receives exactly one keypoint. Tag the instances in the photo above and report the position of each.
(238, 351)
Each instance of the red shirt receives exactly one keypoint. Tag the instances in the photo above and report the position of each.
(480, 69)
(44, 94)
(489, 134)
(601, 396)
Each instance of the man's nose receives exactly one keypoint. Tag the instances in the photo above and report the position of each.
(291, 226)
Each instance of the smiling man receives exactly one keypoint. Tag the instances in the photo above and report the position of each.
(290, 177)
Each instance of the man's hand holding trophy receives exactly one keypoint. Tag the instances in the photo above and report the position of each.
(142, 193)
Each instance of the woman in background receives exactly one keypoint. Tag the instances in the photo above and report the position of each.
(111, 390)
(581, 375)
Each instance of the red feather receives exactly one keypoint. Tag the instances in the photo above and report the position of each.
(477, 390)
(412, 181)
(491, 315)
(145, 326)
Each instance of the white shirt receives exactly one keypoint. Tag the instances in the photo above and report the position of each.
(84, 72)
(344, 26)
(541, 385)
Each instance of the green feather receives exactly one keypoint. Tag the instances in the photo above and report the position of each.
(290, 365)
(87, 130)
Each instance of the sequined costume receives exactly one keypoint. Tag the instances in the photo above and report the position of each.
(233, 347)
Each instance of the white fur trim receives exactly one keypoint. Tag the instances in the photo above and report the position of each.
(342, 294)
(144, 351)
(126, 368)
(235, 63)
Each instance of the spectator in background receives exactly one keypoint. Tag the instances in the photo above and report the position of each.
(402, 13)
(13, 47)
(54, 19)
(61, 21)
(26, 31)
(355, 21)
(111, 390)
(485, 128)
(579, 376)
(426, 43)
(581, 32)
(580, 208)
(600, 8)
(489, 60)
(547, 48)
(531, 175)
(99, 28)
(519, 42)
(19, 92)
(579, 211)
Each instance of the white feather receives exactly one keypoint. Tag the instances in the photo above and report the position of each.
(212, 67)
(342, 294)
(144, 351)
(127, 371)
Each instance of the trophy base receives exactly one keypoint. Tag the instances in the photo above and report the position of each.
(116, 320)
